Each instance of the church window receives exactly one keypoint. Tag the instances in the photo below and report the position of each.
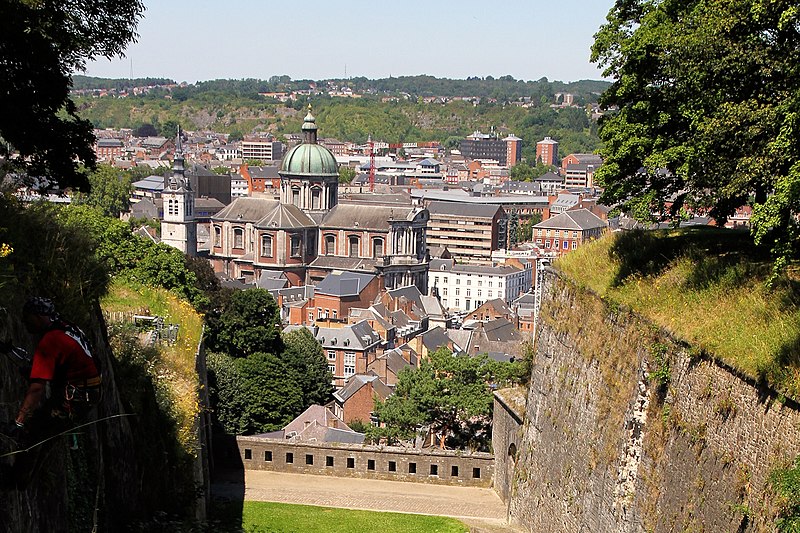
(377, 247)
(316, 198)
(330, 245)
(266, 246)
(296, 245)
(238, 238)
(217, 236)
(354, 246)
(296, 196)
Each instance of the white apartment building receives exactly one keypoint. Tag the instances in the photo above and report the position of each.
(263, 149)
(463, 288)
(239, 186)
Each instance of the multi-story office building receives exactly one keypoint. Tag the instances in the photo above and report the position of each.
(261, 148)
(463, 288)
(469, 231)
(507, 152)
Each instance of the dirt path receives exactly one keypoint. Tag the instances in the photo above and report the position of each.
(479, 508)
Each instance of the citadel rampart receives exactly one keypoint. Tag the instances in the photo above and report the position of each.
(628, 429)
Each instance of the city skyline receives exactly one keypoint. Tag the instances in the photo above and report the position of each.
(198, 41)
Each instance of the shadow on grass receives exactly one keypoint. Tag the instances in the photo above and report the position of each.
(227, 477)
(718, 254)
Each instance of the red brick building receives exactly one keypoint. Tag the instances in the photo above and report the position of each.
(566, 231)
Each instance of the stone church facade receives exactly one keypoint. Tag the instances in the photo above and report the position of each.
(307, 233)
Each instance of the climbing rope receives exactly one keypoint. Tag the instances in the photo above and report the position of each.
(65, 432)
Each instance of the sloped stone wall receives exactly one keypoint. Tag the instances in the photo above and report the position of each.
(627, 429)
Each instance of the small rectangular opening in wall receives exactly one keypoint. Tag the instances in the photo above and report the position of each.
(454, 471)
(370, 464)
(248, 453)
(289, 457)
(328, 460)
(267, 455)
(351, 462)
(434, 470)
(309, 459)
(412, 468)
(392, 466)
(476, 473)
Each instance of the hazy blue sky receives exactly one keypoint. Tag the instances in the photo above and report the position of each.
(201, 40)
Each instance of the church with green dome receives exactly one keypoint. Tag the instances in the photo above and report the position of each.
(306, 233)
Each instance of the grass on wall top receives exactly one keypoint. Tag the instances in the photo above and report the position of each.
(708, 287)
(176, 362)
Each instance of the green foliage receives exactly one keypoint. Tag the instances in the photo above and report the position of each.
(346, 174)
(662, 274)
(250, 323)
(167, 467)
(662, 373)
(129, 256)
(786, 484)
(42, 43)
(253, 394)
(449, 393)
(49, 258)
(703, 119)
(239, 109)
(110, 191)
(305, 355)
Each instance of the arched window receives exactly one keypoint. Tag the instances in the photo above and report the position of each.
(377, 248)
(355, 244)
(316, 198)
(296, 196)
(330, 245)
(266, 246)
(217, 236)
(238, 238)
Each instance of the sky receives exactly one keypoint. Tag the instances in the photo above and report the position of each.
(314, 39)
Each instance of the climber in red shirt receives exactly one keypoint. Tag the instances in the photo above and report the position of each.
(64, 385)
(64, 376)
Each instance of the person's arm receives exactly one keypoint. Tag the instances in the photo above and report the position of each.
(34, 398)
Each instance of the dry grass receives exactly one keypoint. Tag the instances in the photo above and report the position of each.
(708, 288)
(176, 364)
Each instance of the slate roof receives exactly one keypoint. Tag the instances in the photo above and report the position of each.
(435, 338)
(339, 283)
(578, 219)
(501, 330)
(357, 382)
(343, 263)
(409, 292)
(550, 177)
(463, 210)
(285, 217)
(375, 217)
(317, 423)
(499, 305)
(451, 266)
(395, 361)
(359, 336)
(246, 209)
(431, 306)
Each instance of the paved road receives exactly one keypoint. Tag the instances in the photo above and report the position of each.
(480, 508)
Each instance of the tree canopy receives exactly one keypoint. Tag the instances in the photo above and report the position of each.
(708, 93)
(250, 323)
(452, 394)
(41, 44)
(304, 353)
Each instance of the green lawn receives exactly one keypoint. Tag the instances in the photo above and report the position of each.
(265, 517)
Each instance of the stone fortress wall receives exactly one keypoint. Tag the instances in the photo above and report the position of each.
(436, 466)
(628, 429)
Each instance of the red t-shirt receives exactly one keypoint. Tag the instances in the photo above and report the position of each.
(59, 357)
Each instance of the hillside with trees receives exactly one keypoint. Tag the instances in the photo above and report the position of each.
(237, 108)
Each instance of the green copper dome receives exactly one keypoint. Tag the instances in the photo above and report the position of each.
(309, 158)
